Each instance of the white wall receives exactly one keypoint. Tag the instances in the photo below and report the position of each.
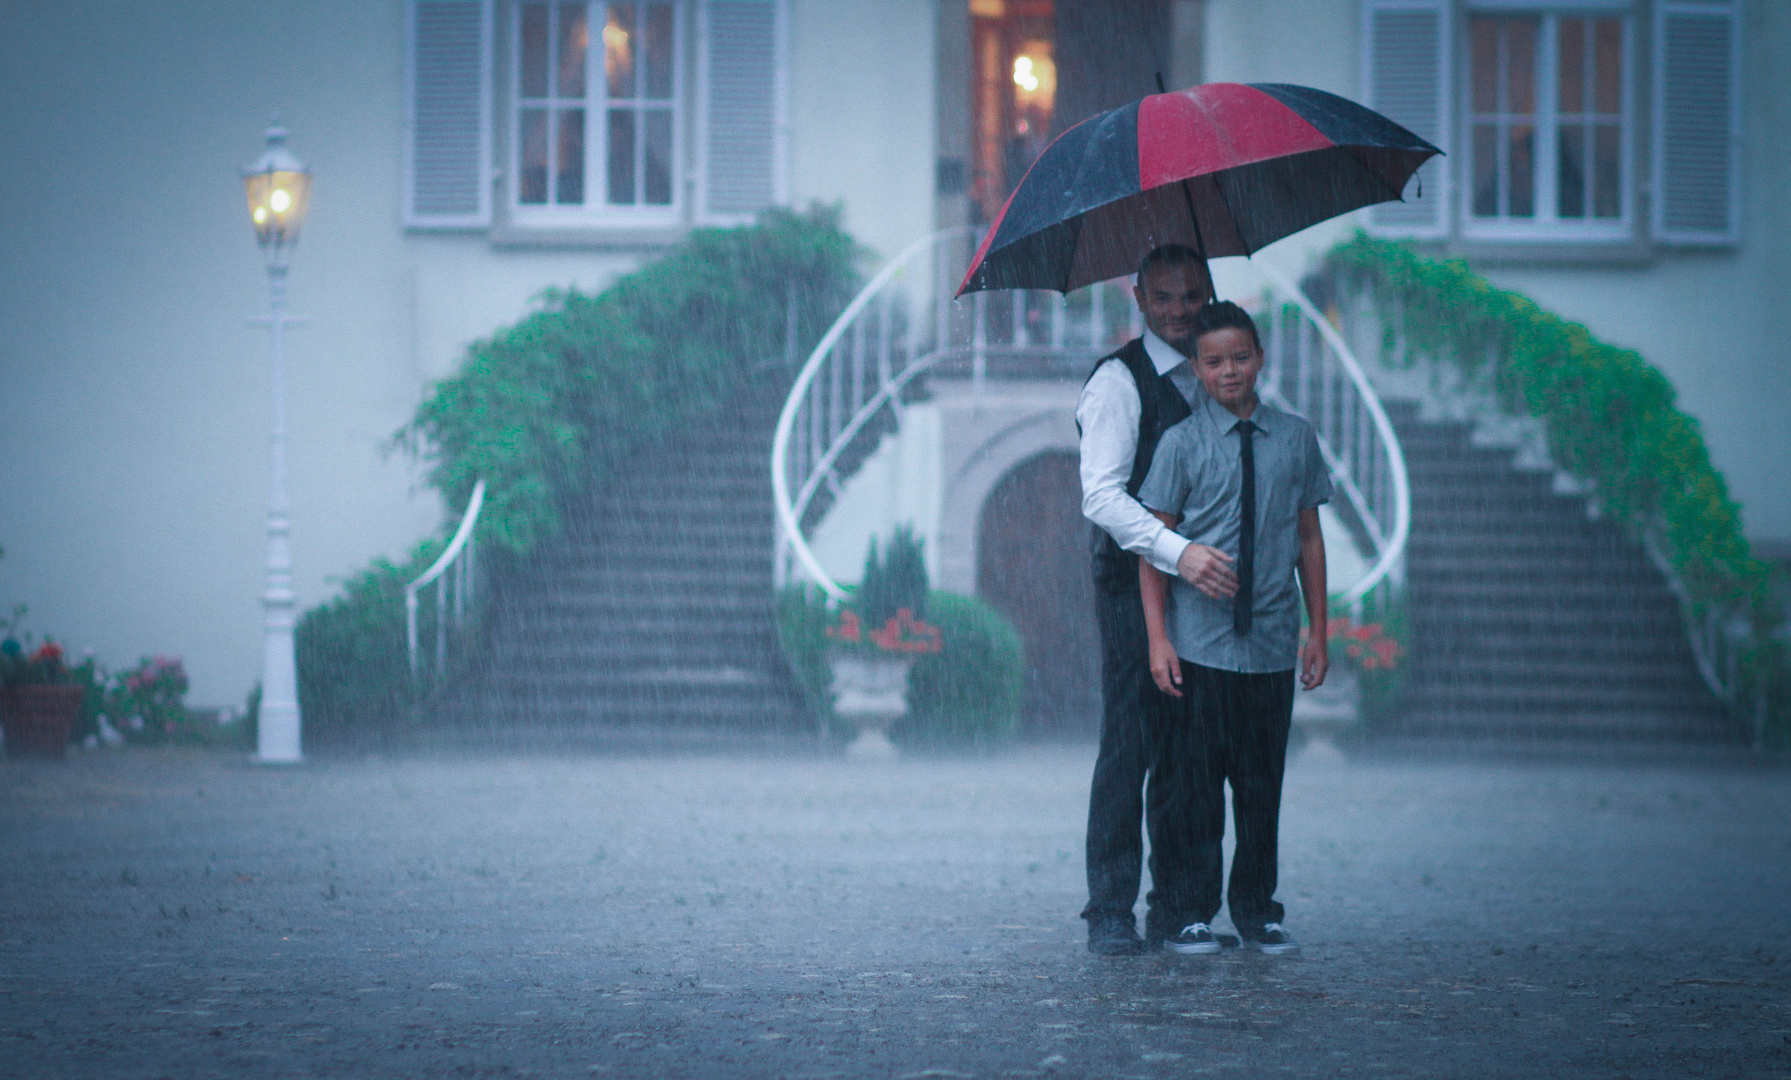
(133, 391)
(1708, 319)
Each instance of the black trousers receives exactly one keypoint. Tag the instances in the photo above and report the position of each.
(1228, 726)
(1133, 718)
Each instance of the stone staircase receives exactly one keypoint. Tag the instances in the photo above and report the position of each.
(654, 607)
(1528, 618)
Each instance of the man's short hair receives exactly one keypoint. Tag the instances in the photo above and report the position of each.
(1171, 255)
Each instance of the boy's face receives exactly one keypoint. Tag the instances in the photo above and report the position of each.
(1228, 361)
(1169, 297)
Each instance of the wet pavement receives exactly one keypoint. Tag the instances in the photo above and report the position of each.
(174, 914)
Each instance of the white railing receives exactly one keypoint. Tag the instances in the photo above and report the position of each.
(905, 323)
(452, 574)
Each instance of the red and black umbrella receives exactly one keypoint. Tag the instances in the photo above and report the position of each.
(1225, 169)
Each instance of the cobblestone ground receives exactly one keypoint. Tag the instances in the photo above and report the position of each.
(752, 915)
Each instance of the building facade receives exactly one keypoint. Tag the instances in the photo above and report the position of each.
(1617, 160)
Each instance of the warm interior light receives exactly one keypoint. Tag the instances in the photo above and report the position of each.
(1023, 75)
(260, 215)
(280, 201)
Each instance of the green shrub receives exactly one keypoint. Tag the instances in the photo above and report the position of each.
(1610, 419)
(894, 582)
(969, 693)
(545, 410)
(353, 667)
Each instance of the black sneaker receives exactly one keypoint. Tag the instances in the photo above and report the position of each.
(1114, 935)
(1274, 941)
(1194, 939)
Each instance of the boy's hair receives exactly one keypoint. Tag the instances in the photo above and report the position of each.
(1224, 315)
(1171, 255)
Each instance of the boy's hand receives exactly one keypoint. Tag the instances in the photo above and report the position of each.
(1165, 668)
(1209, 570)
(1315, 661)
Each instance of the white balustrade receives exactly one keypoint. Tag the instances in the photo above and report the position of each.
(907, 315)
(452, 576)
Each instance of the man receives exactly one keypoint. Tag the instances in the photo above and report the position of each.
(1249, 478)
(1133, 396)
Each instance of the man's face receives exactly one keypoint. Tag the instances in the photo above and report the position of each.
(1227, 362)
(1169, 296)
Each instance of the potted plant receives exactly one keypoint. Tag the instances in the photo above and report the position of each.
(870, 667)
(39, 699)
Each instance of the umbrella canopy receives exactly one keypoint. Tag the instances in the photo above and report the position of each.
(1224, 168)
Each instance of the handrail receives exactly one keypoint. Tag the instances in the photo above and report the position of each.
(463, 579)
(836, 395)
(1392, 549)
(786, 420)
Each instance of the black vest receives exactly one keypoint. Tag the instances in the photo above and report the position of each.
(1163, 408)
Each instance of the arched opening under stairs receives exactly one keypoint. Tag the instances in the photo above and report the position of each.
(1032, 565)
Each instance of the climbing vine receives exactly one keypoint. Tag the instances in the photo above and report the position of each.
(1610, 419)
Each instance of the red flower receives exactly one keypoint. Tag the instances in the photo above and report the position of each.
(849, 628)
(903, 633)
(47, 653)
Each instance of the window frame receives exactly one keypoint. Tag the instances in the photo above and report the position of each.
(1546, 226)
(599, 213)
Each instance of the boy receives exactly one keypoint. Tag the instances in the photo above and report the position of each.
(1244, 480)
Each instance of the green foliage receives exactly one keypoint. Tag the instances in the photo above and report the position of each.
(969, 693)
(353, 666)
(972, 691)
(147, 704)
(545, 410)
(1610, 419)
(551, 405)
(894, 582)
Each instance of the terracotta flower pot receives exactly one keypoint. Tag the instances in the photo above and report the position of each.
(37, 719)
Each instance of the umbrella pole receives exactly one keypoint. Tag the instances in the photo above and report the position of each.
(1193, 219)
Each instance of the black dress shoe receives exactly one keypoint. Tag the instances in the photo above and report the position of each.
(1114, 935)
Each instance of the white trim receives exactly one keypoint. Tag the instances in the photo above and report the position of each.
(597, 211)
(1441, 166)
(1545, 225)
(481, 218)
(1658, 166)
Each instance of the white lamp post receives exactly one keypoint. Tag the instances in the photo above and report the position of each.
(279, 189)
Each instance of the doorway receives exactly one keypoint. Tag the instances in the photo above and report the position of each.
(1032, 558)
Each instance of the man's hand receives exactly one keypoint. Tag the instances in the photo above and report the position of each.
(1209, 570)
(1165, 667)
(1315, 661)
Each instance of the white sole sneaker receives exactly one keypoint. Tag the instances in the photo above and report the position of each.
(1201, 948)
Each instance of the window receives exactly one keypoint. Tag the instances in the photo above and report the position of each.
(1548, 127)
(597, 114)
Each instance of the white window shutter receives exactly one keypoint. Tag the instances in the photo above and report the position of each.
(743, 53)
(1697, 122)
(1405, 77)
(447, 142)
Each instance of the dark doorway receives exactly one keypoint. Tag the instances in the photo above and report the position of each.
(1032, 566)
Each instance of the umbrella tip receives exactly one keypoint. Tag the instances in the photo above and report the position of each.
(1161, 89)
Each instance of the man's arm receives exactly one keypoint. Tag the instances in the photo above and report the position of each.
(1315, 655)
(1108, 413)
(1165, 666)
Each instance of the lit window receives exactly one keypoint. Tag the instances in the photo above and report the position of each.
(596, 142)
(1548, 107)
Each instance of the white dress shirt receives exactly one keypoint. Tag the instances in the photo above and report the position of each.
(1108, 413)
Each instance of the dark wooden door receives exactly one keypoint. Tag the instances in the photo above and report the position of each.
(1033, 567)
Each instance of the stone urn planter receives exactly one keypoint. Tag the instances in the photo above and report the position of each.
(869, 694)
(37, 719)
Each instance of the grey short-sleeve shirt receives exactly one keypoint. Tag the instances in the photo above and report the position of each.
(1197, 475)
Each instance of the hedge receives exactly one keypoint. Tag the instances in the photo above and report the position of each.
(1610, 419)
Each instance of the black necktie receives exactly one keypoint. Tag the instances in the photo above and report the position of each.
(1241, 604)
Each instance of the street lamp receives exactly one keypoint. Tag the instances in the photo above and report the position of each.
(279, 190)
